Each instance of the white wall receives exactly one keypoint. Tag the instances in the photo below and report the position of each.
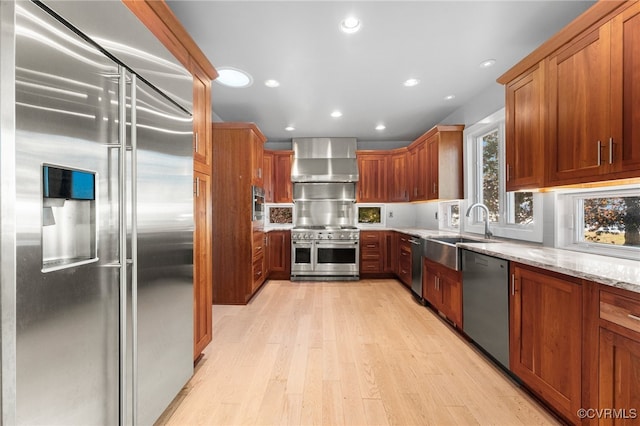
(400, 215)
(485, 103)
(426, 215)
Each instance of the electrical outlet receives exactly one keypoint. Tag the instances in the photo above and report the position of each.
(390, 214)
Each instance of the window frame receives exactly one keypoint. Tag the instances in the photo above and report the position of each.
(570, 221)
(473, 161)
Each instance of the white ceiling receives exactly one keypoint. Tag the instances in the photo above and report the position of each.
(321, 69)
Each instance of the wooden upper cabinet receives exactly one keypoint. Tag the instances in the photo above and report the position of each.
(579, 108)
(525, 131)
(590, 102)
(399, 175)
(444, 168)
(625, 92)
(283, 188)
(268, 176)
(201, 121)
(418, 166)
(257, 159)
(546, 335)
(372, 185)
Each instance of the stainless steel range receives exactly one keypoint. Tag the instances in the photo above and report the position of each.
(324, 241)
(323, 253)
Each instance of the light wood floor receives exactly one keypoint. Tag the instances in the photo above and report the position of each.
(358, 353)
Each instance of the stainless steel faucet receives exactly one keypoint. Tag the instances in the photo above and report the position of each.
(487, 232)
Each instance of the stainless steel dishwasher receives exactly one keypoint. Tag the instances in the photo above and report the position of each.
(417, 249)
(485, 303)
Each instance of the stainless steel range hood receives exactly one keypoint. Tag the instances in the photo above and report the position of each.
(324, 160)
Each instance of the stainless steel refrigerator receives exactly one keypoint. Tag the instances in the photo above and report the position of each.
(104, 233)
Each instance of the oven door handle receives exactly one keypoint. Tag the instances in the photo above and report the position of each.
(336, 243)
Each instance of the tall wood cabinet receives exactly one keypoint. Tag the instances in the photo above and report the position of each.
(161, 21)
(546, 334)
(238, 247)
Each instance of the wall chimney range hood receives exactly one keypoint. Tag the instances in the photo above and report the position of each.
(324, 160)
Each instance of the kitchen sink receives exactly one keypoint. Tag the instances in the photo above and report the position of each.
(444, 250)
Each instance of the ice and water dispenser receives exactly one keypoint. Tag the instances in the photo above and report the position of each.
(68, 217)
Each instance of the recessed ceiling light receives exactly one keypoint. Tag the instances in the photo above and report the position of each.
(381, 127)
(233, 77)
(449, 97)
(488, 63)
(411, 82)
(289, 128)
(336, 114)
(350, 25)
(272, 83)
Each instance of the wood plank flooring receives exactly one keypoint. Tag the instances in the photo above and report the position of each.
(356, 353)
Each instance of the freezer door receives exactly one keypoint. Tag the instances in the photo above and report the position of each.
(163, 200)
(67, 303)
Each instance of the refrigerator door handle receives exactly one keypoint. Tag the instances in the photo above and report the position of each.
(134, 252)
(122, 198)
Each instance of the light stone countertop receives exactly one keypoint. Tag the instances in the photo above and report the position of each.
(612, 271)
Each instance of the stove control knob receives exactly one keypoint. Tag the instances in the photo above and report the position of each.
(329, 236)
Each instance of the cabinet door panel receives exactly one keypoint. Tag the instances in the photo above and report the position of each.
(399, 178)
(202, 109)
(202, 285)
(268, 179)
(524, 135)
(626, 29)
(579, 112)
(372, 186)
(283, 185)
(619, 374)
(546, 338)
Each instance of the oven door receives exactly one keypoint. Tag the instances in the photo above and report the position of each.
(302, 257)
(337, 257)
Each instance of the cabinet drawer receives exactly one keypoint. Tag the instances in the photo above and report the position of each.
(258, 271)
(620, 310)
(370, 245)
(370, 266)
(370, 255)
(258, 244)
(369, 237)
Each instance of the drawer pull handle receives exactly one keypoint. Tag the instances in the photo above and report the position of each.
(633, 317)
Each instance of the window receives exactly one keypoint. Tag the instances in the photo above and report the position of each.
(511, 214)
(604, 222)
(449, 213)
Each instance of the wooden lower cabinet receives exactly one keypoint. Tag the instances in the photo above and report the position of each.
(619, 359)
(202, 299)
(404, 259)
(546, 336)
(259, 264)
(390, 253)
(442, 288)
(279, 255)
(371, 252)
